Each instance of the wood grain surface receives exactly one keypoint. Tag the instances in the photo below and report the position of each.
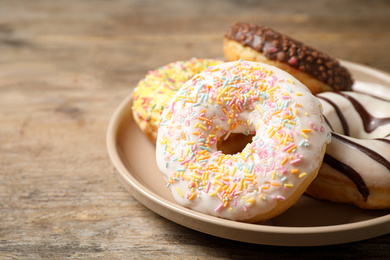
(64, 68)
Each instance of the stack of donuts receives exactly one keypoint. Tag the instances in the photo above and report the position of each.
(243, 139)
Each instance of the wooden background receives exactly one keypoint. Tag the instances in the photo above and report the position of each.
(64, 68)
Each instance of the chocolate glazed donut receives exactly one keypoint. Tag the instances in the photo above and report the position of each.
(356, 166)
(315, 69)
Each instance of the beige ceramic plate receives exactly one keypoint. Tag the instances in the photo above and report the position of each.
(308, 223)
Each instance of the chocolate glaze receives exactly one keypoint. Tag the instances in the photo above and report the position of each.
(370, 122)
(370, 153)
(276, 46)
(339, 113)
(352, 174)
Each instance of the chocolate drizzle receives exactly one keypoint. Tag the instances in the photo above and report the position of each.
(352, 174)
(370, 122)
(387, 141)
(276, 46)
(339, 113)
(328, 123)
(370, 153)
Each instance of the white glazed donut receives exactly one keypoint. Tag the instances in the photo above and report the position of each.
(270, 173)
(356, 167)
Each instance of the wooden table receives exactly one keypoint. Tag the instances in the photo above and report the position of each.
(64, 68)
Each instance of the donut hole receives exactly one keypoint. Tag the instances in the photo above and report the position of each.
(235, 143)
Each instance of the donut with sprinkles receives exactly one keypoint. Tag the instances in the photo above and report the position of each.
(158, 86)
(289, 138)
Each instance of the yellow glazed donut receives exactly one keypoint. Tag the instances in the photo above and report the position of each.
(316, 70)
(270, 173)
(152, 92)
(356, 167)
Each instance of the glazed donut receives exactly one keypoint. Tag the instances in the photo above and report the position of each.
(153, 92)
(270, 173)
(317, 70)
(356, 167)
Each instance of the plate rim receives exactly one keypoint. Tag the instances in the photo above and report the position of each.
(159, 204)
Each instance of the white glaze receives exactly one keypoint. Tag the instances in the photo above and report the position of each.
(262, 160)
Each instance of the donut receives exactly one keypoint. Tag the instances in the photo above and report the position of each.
(288, 140)
(158, 86)
(317, 70)
(356, 166)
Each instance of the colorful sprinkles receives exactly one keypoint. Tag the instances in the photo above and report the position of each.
(239, 97)
(154, 91)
